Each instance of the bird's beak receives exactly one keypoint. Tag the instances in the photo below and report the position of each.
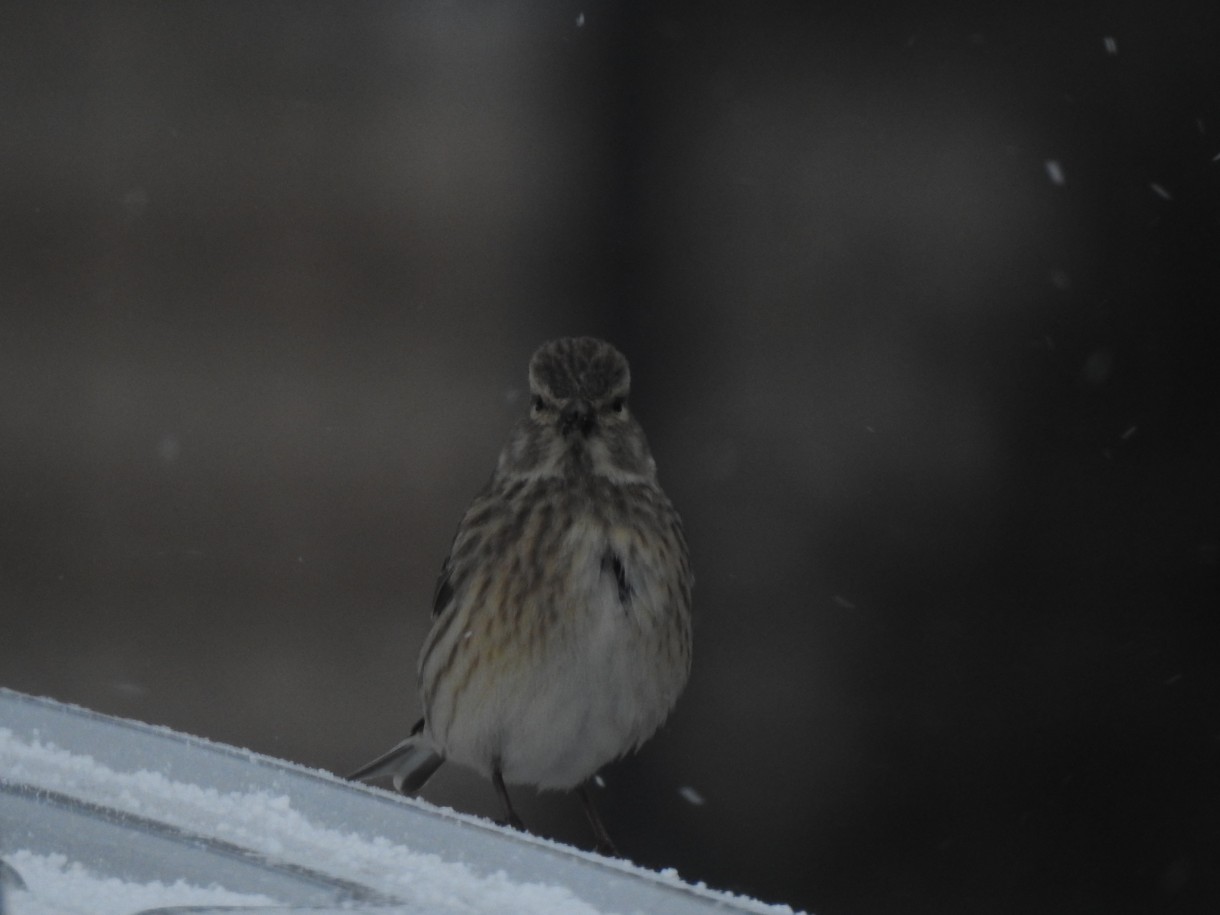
(577, 416)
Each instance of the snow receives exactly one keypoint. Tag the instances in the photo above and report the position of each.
(267, 824)
(691, 796)
(57, 886)
(132, 817)
(1054, 171)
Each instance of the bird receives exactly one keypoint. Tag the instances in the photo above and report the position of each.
(561, 621)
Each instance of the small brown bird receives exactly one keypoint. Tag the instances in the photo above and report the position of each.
(561, 623)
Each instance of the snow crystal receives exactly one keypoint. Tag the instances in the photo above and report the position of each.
(169, 449)
(1054, 171)
(691, 796)
(1111, 45)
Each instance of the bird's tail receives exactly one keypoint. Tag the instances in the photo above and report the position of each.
(409, 764)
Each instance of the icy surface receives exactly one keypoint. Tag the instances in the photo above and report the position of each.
(232, 828)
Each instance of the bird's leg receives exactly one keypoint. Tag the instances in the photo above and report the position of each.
(510, 815)
(605, 845)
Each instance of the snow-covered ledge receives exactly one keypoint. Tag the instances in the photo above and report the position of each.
(102, 815)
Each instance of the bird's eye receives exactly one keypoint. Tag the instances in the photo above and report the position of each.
(618, 404)
(537, 403)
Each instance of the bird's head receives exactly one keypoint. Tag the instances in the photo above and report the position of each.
(579, 421)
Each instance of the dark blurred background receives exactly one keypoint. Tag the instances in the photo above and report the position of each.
(922, 309)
